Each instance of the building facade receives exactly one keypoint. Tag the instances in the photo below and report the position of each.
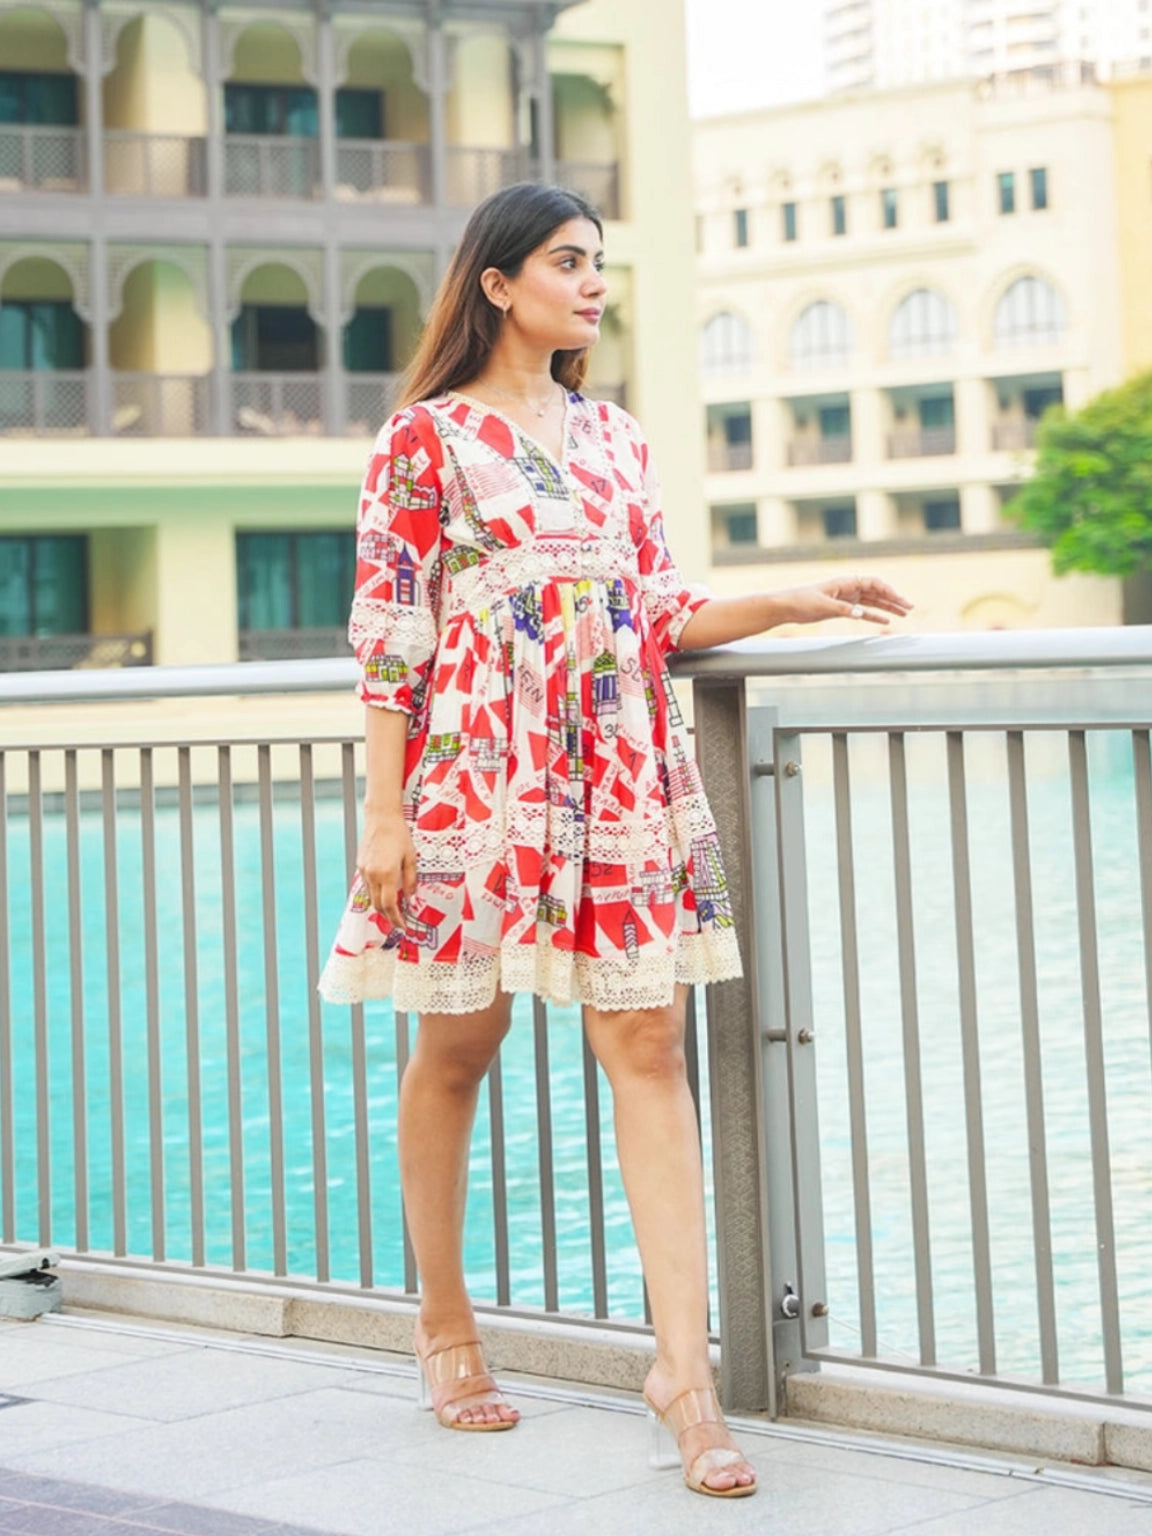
(220, 230)
(894, 289)
(881, 44)
(1132, 119)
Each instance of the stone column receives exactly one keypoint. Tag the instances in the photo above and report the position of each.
(542, 92)
(100, 400)
(217, 273)
(973, 426)
(437, 94)
(333, 308)
(875, 517)
(979, 508)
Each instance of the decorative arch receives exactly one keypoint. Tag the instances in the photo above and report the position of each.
(242, 261)
(923, 324)
(69, 18)
(191, 260)
(822, 337)
(727, 344)
(300, 28)
(355, 266)
(348, 31)
(115, 16)
(71, 259)
(1030, 312)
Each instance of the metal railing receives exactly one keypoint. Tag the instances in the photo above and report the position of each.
(269, 165)
(806, 451)
(729, 456)
(368, 401)
(927, 1094)
(475, 173)
(49, 653)
(155, 164)
(1015, 436)
(305, 643)
(42, 158)
(45, 402)
(277, 404)
(922, 443)
(596, 181)
(383, 171)
(161, 405)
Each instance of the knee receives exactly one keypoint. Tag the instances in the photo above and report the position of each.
(647, 1045)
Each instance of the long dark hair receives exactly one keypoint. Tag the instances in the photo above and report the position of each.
(463, 325)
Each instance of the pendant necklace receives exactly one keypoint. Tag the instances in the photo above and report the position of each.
(537, 410)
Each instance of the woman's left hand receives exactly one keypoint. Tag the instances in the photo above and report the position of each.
(846, 597)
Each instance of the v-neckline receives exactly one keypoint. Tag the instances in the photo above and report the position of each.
(561, 463)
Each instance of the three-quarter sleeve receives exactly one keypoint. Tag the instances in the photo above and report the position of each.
(393, 628)
(669, 601)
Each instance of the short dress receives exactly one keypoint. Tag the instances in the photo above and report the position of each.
(519, 609)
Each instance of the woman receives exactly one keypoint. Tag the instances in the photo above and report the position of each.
(533, 816)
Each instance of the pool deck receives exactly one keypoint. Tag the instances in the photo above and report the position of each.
(111, 1427)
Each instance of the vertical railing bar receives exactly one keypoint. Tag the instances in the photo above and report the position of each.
(315, 1023)
(910, 1023)
(40, 998)
(359, 1045)
(970, 1049)
(1142, 766)
(115, 1018)
(1033, 1065)
(403, 1052)
(76, 988)
(272, 1012)
(854, 1045)
(232, 1006)
(191, 1007)
(544, 1156)
(595, 1183)
(692, 1064)
(152, 1001)
(499, 1183)
(7, 1092)
(1094, 1062)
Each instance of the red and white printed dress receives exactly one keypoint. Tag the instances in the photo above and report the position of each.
(519, 611)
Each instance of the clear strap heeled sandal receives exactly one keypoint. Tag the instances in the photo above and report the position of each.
(667, 1429)
(460, 1367)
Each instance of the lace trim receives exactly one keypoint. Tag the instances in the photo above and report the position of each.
(468, 985)
(536, 562)
(396, 624)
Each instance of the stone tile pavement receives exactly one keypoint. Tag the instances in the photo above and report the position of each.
(112, 1428)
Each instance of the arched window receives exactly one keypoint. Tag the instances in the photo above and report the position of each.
(727, 345)
(822, 337)
(923, 326)
(1030, 314)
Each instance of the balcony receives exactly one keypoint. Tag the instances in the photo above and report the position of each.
(42, 159)
(1014, 436)
(474, 174)
(368, 401)
(383, 171)
(922, 443)
(304, 644)
(271, 165)
(598, 183)
(806, 451)
(277, 404)
(161, 405)
(57, 653)
(44, 403)
(724, 456)
(154, 164)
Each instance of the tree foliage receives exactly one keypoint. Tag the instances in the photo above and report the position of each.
(1090, 499)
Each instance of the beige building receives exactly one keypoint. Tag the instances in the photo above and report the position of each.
(1132, 119)
(220, 230)
(893, 290)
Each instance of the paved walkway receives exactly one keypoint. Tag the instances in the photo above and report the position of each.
(113, 1429)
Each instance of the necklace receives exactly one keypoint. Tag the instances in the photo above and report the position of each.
(538, 410)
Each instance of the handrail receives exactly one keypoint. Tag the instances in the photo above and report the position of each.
(995, 650)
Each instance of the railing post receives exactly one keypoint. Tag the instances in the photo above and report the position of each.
(437, 94)
(734, 1054)
(99, 406)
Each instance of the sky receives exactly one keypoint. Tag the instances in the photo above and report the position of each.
(752, 53)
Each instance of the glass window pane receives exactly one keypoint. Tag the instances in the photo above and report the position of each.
(835, 421)
(326, 567)
(59, 586)
(368, 342)
(790, 221)
(264, 580)
(15, 586)
(840, 522)
(1007, 185)
(359, 114)
(52, 99)
(940, 412)
(300, 116)
(942, 195)
(1040, 189)
(13, 336)
(12, 98)
(890, 207)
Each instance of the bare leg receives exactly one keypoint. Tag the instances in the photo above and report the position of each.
(642, 1052)
(438, 1098)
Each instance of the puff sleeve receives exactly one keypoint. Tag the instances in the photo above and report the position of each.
(393, 627)
(668, 600)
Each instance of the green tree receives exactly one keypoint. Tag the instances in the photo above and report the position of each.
(1090, 499)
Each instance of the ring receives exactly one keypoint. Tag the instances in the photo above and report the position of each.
(857, 611)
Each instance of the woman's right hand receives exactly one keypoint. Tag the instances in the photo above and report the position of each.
(386, 863)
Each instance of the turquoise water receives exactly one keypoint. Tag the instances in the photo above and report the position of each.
(1126, 1027)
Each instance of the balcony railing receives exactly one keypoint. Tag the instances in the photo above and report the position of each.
(44, 403)
(305, 644)
(924, 443)
(54, 653)
(269, 165)
(474, 174)
(617, 393)
(42, 158)
(729, 456)
(1015, 436)
(596, 181)
(277, 404)
(161, 405)
(369, 401)
(805, 451)
(916, 1091)
(383, 171)
(154, 164)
